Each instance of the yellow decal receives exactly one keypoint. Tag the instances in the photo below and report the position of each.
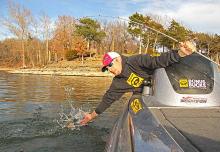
(134, 80)
(136, 106)
(183, 83)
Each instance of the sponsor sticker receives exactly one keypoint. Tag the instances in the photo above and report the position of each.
(192, 83)
(197, 84)
(134, 80)
(193, 100)
(136, 105)
(183, 83)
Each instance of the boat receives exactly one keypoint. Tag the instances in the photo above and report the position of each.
(178, 111)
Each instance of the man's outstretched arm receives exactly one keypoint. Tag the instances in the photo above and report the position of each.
(166, 59)
(114, 93)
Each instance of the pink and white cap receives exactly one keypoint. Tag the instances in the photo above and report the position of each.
(108, 58)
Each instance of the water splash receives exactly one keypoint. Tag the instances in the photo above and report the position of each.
(68, 91)
(72, 119)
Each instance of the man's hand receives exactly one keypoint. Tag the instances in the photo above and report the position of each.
(88, 117)
(186, 48)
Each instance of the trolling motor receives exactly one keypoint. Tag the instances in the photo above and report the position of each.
(147, 84)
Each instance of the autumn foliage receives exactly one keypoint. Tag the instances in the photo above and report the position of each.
(40, 41)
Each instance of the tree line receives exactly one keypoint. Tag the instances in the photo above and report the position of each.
(38, 41)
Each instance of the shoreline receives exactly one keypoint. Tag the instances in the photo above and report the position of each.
(57, 71)
(91, 68)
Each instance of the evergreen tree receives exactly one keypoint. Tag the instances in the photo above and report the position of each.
(176, 31)
(90, 30)
(139, 26)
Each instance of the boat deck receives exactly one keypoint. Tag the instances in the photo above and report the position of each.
(195, 130)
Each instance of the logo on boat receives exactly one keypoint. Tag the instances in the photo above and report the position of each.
(134, 80)
(183, 83)
(136, 105)
(192, 83)
(193, 100)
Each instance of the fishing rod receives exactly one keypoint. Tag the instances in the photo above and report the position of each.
(154, 30)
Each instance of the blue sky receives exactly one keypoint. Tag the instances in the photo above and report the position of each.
(197, 15)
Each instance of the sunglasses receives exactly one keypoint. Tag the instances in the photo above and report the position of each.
(106, 68)
(110, 64)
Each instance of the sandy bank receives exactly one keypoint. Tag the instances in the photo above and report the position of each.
(61, 72)
(69, 68)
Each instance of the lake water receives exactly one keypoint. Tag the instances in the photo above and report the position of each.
(30, 106)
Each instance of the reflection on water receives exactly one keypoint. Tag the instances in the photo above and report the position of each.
(30, 107)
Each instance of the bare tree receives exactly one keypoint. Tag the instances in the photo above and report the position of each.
(117, 37)
(36, 35)
(18, 23)
(46, 32)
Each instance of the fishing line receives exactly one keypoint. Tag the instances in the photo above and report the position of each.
(157, 31)
(154, 30)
